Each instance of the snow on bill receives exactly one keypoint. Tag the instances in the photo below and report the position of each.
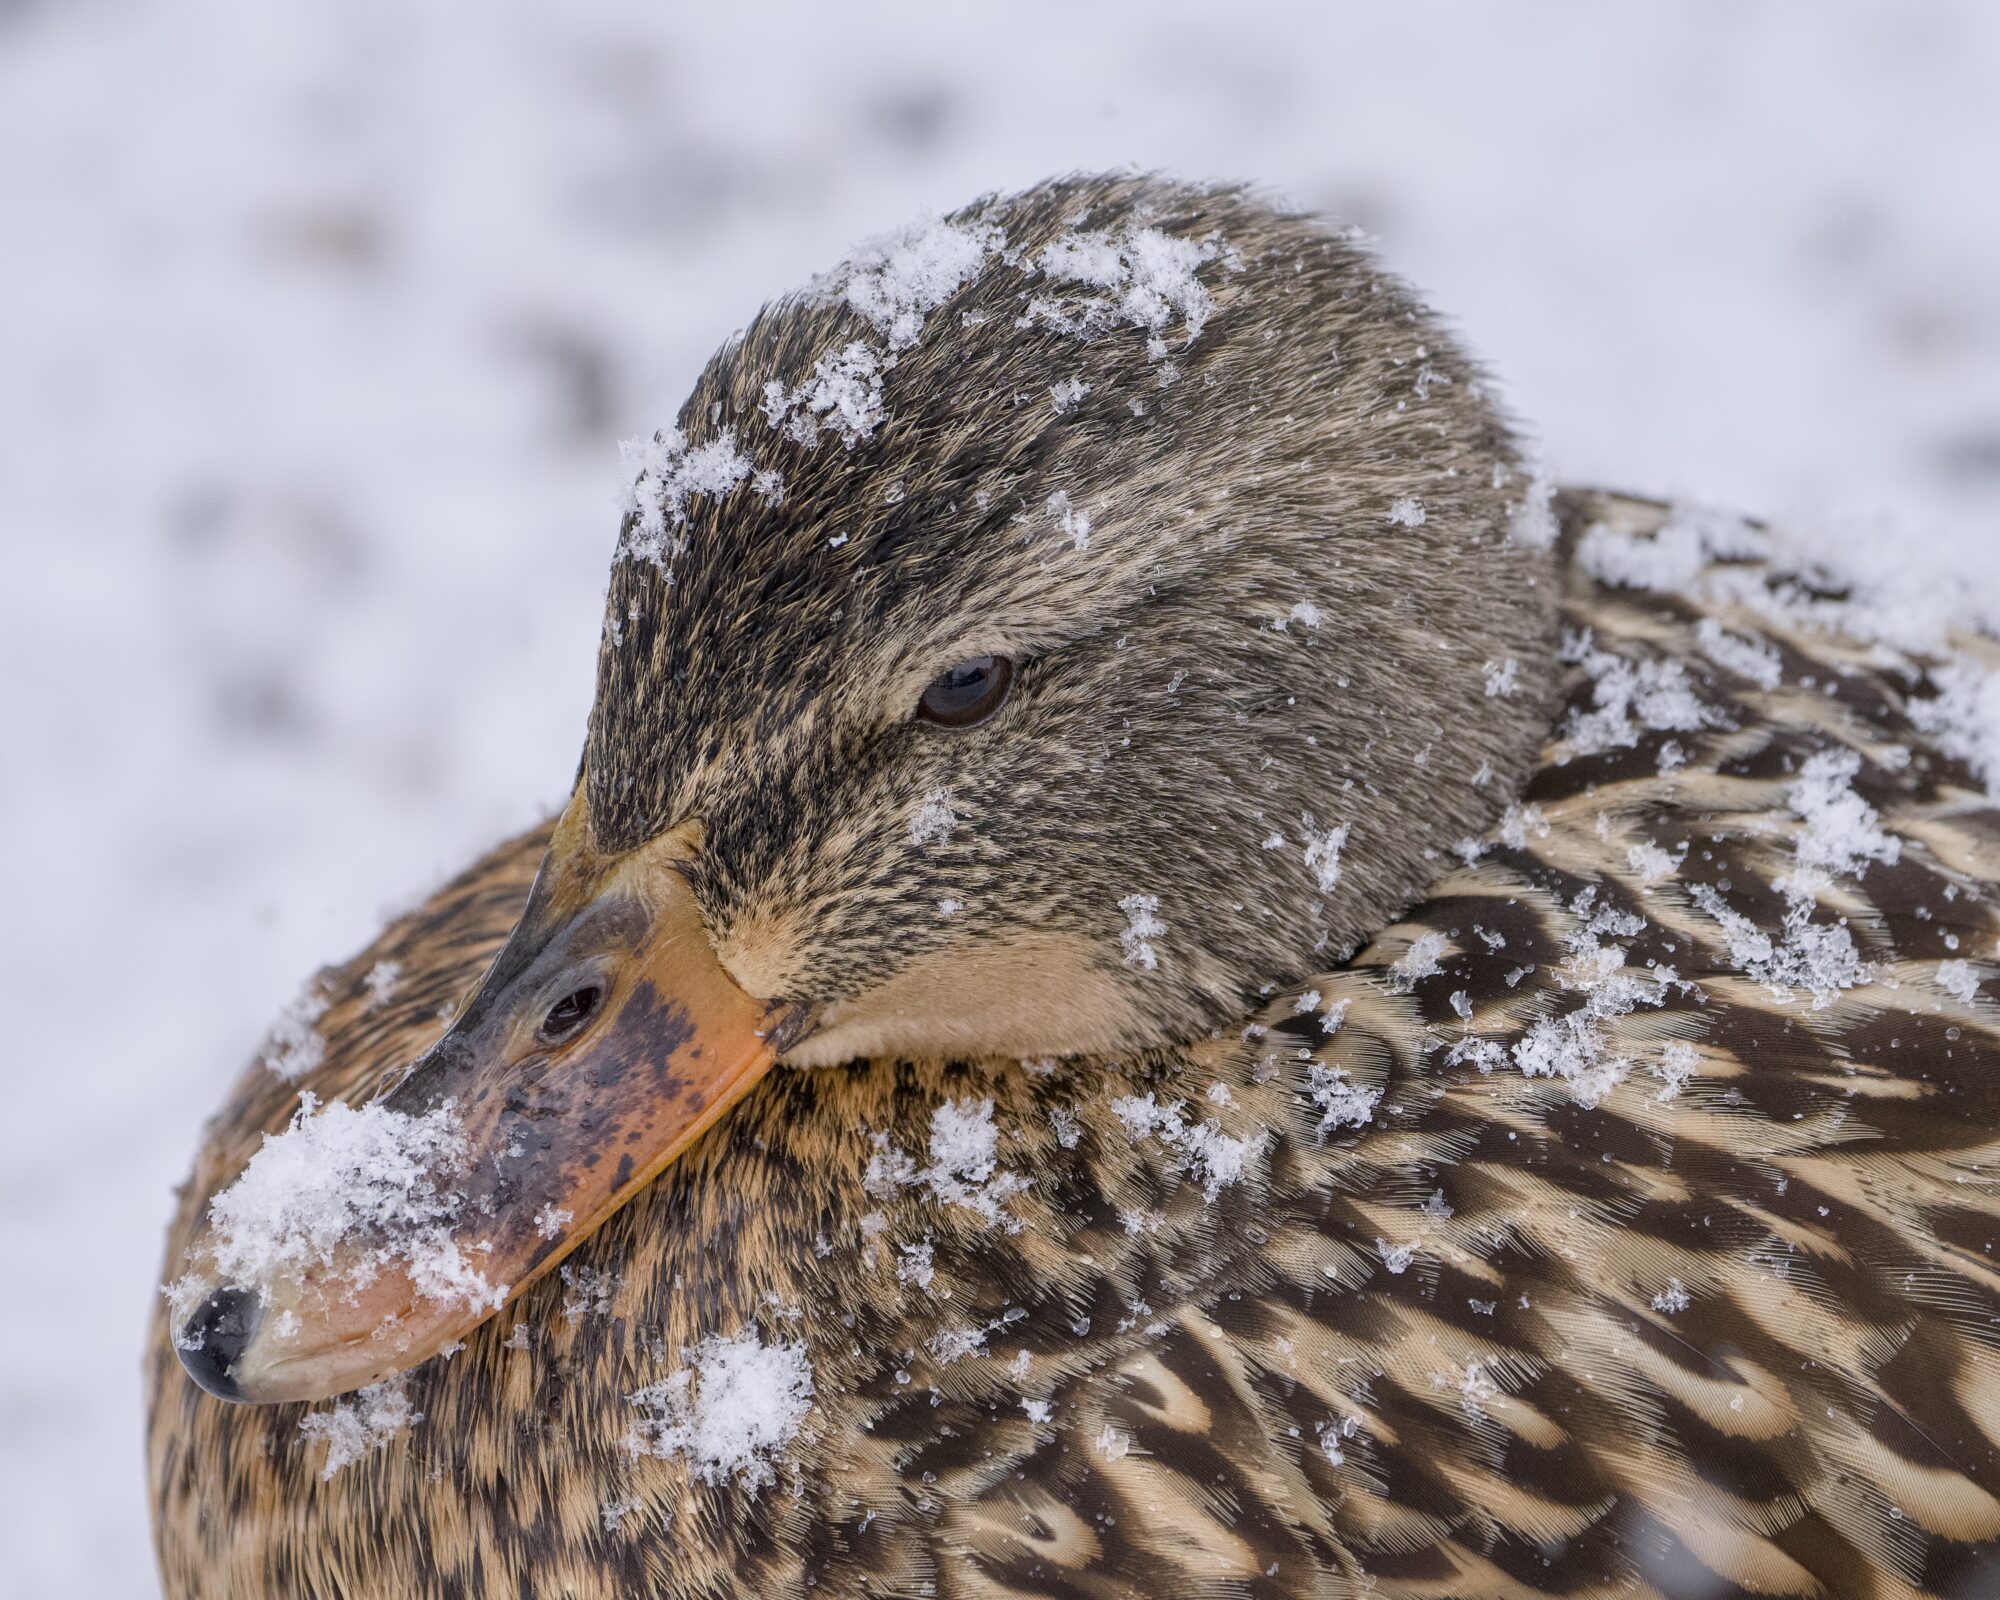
(354, 1191)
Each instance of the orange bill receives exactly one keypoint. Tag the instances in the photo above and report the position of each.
(603, 1042)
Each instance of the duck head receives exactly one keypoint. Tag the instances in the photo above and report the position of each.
(1066, 621)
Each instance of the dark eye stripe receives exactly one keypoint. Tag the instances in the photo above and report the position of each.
(968, 693)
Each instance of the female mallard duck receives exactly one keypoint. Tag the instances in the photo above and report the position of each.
(1288, 1023)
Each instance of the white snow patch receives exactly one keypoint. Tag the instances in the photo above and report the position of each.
(1419, 961)
(1842, 831)
(730, 1412)
(1323, 854)
(1572, 1046)
(356, 1427)
(1068, 394)
(1342, 1102)
(1817, 957)
(934, 819)
(1071, 522)
(897, 279)
(1652, 862)
(1747, 658)
(369, 1182)
(294, 1047)
(1959, 979)
(1517, 822)
(1214, 1159)
(1679, 1062)
(842, 396)
(672, 475)
(1142, 927)
(1630, 697)
(963, 1170)
(380, 983)
(1407, 512)
(1963, 718)
(1675, 556)
(1148, 277)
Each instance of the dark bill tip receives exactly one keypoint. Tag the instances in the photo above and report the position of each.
(215, 1337)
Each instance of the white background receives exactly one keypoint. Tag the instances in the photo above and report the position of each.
(319, 322)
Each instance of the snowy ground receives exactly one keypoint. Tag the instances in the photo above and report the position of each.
(318, 324)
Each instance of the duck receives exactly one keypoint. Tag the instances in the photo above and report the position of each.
(1166, 973)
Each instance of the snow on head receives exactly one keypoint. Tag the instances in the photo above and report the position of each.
(1142, 927)
(730, 1412)
(1073, 524)
(896, 281)
(1323, 854)
(370, 1185)
(843, 395)
(934, 819)
(673, 474)
(1146, 279)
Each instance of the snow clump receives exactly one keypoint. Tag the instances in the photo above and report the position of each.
(730, 1412)
(360, 1191)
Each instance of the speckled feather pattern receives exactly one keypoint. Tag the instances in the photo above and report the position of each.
(1742, 1338)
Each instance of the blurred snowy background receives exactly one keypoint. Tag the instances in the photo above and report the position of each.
(319, 323)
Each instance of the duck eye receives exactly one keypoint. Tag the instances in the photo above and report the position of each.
(570, 1013)
(967, 693)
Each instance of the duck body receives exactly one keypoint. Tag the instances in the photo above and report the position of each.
(1624, 1220)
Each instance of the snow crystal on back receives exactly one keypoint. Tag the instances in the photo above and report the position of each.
(1342, 1102)
(1842, 831)
(1964, 719)
(1214, 1159)
(1572, 1046)
(730, 1413)
(1632, 697)
(1817, 957)
(1958, 979)
(1672, 558)
(1745, 657)
(963, 1170)
(295, 1047)
(1419, 961)
(367, 1180)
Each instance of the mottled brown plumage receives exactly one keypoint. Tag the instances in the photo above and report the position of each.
(1711, 1308)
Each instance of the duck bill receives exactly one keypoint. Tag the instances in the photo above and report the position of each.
(603, 1042)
